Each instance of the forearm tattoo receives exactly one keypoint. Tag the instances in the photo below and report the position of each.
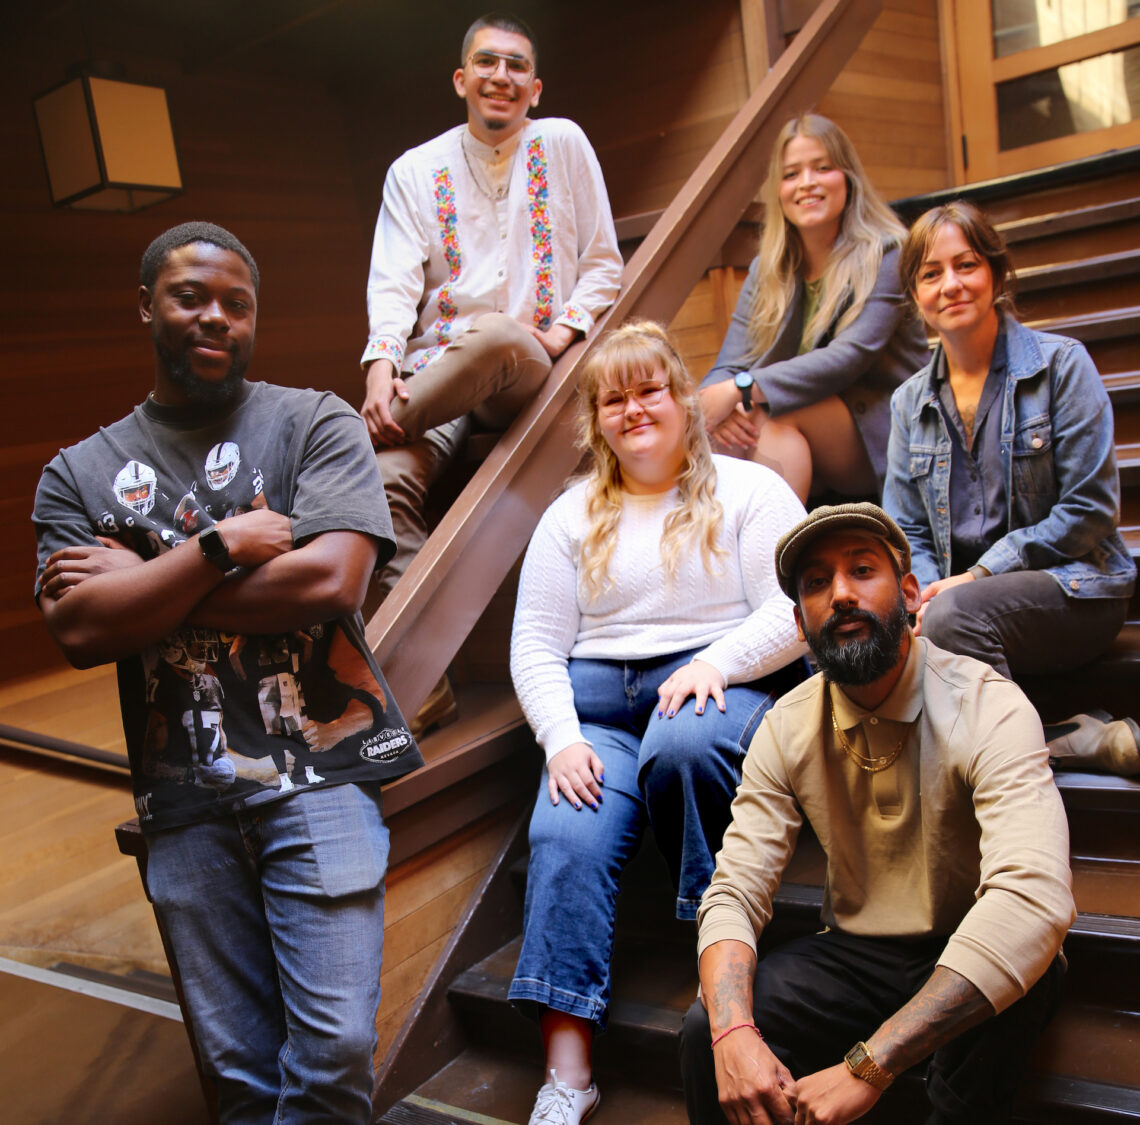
(944, 1007)
(729, 999)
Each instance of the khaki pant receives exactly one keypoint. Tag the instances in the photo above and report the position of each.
(482, 380)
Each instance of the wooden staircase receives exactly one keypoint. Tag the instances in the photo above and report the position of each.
(468, 1056)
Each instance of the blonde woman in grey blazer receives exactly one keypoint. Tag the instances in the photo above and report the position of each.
(822, 334)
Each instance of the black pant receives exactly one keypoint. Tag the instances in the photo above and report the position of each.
(817, 996)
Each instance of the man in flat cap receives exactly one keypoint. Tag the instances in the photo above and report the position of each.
(926, 780)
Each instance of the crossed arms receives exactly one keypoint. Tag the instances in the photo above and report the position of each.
(103, 602)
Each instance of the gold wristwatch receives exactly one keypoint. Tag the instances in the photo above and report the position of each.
(862, 1064)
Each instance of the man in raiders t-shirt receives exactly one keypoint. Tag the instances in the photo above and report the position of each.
(217, 543)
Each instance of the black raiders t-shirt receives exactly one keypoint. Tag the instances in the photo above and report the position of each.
(217, 721)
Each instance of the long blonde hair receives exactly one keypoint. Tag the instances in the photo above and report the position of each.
(633, 353)
(867, 227)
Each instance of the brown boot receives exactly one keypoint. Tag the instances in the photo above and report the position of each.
(1095, 742)
(438, 710)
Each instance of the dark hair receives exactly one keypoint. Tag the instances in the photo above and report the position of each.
(154, 258)
(980, 236)
(501, 21)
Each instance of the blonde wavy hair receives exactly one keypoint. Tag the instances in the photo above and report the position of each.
(867, 228)
(638, 351)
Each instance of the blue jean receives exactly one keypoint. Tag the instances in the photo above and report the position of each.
(679, 775)
(276, 917)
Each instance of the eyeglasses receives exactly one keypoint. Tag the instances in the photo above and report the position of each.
(612, 401)
(485, 64)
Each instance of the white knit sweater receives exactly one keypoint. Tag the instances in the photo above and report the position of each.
(737, 616)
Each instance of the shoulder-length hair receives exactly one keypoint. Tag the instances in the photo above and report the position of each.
(867, 228)
(980, 236)
(634, 353)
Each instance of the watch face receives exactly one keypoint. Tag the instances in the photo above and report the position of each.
(857, 1056)
(743, 379)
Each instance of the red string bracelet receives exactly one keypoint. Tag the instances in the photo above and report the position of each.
(736, 1027)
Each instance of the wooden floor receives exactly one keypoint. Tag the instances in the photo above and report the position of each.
(67, 895)
(76, 706)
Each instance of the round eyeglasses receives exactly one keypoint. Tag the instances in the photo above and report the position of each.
(612, 400)
(485, 64)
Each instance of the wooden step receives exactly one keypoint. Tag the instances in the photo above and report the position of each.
(1123, 387)
(1106, 324)
(1107, 683)
(1095, 295)
(486, 1087)
(1034, 227)
(1095, 1041)
(1054, 275)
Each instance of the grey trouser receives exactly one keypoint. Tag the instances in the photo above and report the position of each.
(1022, 623)
(483, 379)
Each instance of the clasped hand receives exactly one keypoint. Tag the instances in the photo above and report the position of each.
(755, 1087)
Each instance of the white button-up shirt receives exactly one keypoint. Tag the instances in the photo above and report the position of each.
(449, 247)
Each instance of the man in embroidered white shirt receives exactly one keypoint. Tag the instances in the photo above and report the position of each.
(494, 250)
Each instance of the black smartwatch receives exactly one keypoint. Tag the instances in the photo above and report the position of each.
(214, 549)
(744, 385)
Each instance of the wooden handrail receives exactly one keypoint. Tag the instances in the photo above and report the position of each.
(425, 619)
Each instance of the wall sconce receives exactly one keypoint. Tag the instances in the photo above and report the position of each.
(108, 145)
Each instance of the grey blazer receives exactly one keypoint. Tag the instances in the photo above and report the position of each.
(863, 364)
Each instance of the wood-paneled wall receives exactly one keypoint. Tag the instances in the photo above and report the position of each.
(889, 99)
(269, 160)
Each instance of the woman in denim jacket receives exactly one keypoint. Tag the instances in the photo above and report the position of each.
(1002, 469)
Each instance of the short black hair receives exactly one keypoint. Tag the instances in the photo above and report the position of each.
(154, 258)
(501, 21)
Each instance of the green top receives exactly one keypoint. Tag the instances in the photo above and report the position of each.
(813, 294)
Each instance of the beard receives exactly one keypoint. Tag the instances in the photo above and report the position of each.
(202, 391)
(859, 662)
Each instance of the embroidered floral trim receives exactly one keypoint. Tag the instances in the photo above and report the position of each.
(425, 357)
(449, 237)
(575, 317)
(542, 254)
(384, 348)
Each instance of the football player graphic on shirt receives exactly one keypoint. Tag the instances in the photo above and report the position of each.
(136, 487)
(184, 675)
(281, 701)
(229, 489)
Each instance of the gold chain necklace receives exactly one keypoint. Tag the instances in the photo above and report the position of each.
(863, 761)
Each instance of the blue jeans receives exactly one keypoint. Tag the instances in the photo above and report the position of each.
(275, 917)
(679, 775)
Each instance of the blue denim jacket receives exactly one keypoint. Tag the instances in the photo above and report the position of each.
(1058, 470)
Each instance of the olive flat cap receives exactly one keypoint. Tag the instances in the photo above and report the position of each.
(869, 518)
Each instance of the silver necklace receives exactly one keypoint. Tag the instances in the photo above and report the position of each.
(478, 179)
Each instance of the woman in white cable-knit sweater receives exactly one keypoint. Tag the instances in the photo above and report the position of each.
(650, 638)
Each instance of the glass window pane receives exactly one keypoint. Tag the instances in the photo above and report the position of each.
(1078, 98)
(1019, 25)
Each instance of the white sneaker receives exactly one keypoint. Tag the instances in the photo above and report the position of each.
(558, 1104)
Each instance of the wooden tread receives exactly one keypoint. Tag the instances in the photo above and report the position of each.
(1075, 218)
(1105, 324)
(1056, 274)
